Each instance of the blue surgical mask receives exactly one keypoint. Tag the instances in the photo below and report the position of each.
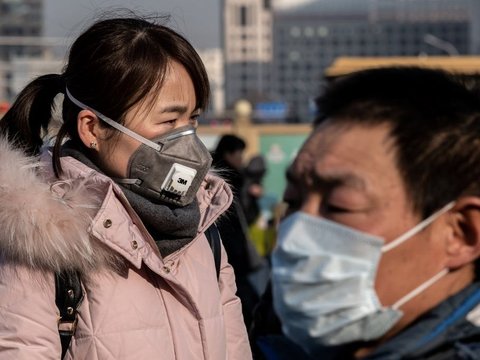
(323, 281)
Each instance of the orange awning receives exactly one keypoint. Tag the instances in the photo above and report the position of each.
(464, 65)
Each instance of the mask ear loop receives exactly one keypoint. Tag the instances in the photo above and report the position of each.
(127, 181)
(113, 123)
(405, 237)
(419, 289)
(417, 228)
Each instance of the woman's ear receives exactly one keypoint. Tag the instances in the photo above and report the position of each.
(463, 246)
(88, 126)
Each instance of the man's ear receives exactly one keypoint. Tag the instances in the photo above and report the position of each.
(463, 245)
(88, 126)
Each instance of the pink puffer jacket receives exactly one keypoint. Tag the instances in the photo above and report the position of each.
(152, 308)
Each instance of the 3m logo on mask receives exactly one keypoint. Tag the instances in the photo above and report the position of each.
(178, 181)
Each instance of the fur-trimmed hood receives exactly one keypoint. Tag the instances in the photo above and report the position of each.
(45, 223)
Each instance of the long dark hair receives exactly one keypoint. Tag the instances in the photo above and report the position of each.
(112, 66)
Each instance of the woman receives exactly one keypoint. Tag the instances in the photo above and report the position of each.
(124, 203)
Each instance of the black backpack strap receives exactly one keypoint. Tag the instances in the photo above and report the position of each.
(213, 237)
(68, 297)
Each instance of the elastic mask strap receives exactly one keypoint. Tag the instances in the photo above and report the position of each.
(417, 228)
(419, 289)
(127, 181)
(113, 123)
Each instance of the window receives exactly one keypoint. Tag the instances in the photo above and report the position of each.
(309, 32)
(295, 32)
(294, 56)
(243, 15)
(322, 31)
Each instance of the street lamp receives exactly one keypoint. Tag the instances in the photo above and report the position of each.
(441, 44)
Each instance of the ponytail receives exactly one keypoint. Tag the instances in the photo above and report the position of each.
(31, 113)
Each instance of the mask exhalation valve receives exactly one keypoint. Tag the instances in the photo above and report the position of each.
(179, 179)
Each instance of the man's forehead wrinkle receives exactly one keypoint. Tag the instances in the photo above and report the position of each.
(334, 169)
(326, 158)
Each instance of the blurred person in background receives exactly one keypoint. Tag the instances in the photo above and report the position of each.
(378, 256)
(261, 227)
(252, 191)
(228, 159)
(117, 210)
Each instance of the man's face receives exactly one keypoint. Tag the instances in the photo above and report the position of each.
(235, 159)
(348, 174)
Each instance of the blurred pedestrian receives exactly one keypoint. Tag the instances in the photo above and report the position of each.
(233, 227)
(117, 210)
(254, 173)
(228, 158)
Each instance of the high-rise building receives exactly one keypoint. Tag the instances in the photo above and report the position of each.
(475, 27)
(308, 38)
(247, 45)
(20, 18)
(21, 25)
(308, 35)
(213, 60)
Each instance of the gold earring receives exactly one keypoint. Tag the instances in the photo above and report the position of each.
(93, 145)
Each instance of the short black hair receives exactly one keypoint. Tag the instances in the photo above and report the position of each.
(227, 144)
(435, 124)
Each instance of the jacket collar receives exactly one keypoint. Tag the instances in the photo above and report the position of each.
(452, 321)
(214, 195)
(47, 223)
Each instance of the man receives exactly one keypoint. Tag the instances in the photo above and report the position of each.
(377, 258)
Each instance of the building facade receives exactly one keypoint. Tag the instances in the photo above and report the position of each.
(21, 22)
(214, 64)
(20, 18)
(247, 46)
(309, 38)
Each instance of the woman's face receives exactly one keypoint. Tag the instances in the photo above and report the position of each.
(174, 106)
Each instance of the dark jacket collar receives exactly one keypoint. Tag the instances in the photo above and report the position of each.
(449, 328)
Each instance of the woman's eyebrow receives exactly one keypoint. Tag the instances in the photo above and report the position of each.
(181, 109)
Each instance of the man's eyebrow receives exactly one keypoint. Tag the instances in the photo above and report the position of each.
(339, 178)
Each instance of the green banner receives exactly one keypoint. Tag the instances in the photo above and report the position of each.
(279, 152)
